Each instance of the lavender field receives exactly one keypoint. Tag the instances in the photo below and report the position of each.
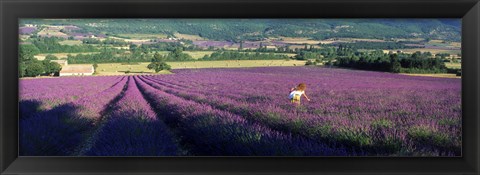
(241, 112)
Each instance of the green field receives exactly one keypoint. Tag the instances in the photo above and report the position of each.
(70, 42)
(454, 65)
(435, 75)
(119, 69)
(198, 54)
(447, 75)
(193, 54)
(442, 43)
(189, 37)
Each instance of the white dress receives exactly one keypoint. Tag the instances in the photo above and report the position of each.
(295, 93)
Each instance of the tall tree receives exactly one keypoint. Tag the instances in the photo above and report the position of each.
(158, 63)
(241, 46)
(51, 67)
(27, 51)
(34, 69)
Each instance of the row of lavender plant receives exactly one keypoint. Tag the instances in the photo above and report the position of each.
(44, 94)
(30, 88)
(132, 129)
(209, 131)
(387, 113)
(60, 130)
(273, 119)
(450, 98)
(291, 124)
(361, 107)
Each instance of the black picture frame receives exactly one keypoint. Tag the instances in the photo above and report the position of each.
(11, 11)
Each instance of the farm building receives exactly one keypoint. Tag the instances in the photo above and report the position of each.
(61, 62)
(76, 70)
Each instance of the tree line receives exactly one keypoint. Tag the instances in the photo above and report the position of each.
(52, 45)
(29, 66)
(417, 62)
(108, 41)
(376, 45)
(237, 55)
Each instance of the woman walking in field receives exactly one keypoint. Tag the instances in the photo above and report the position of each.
(297, 92)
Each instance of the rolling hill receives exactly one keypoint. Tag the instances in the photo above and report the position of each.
(257, 29)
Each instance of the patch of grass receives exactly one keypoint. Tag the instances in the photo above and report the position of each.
(428, 136)
(133, 63)
(297, 125)
(391, 145)
(250, 137)
(441, 139)
(198, 54)
(70, 42)
(224, 106)
(453, 65)
(382, 123)
(164, 72)
(324, 130)
(188, 37)
(352, 138)
(384, 140)
(421, 132)
(273, 118)
(448, 121)
(242, 110)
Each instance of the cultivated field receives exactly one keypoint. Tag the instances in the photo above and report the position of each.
(301, 41)
(409, 39)
(119, 69)
(442, 43)
(193, 54)
(453, 65)
(349, 40)
(144, 36)
(241, 112)
(361, 39)
(70, 42)
(435, 75)
(298, 40)
(54, 31)
(433, 51)
(135, 40)
(198, 54)
(188, 37)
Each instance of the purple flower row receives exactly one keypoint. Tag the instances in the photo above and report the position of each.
(345, 101)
